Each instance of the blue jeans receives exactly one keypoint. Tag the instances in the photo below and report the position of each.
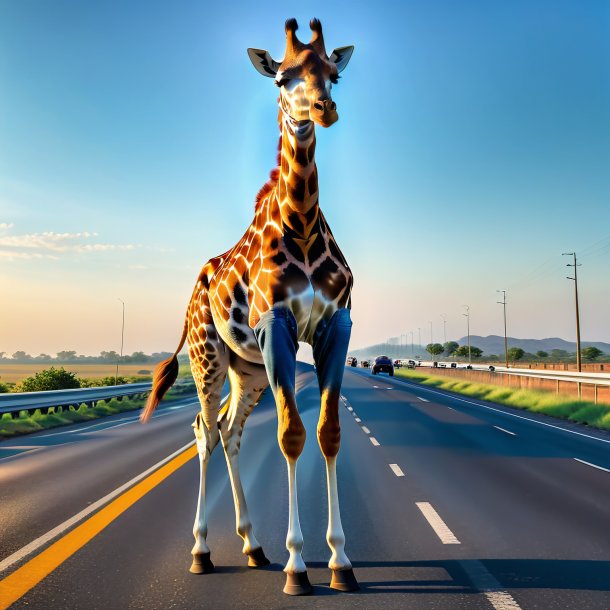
(276, 333)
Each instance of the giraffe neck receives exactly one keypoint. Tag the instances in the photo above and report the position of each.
(297, 187)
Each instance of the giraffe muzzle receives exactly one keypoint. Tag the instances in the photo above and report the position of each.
(324, 112)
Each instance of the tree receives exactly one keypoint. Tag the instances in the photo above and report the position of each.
(450, 347)
(434, 349)
(21, 356)
(515, 353)
(66, 356)
(558, 354)
(111, 356)
(50, 379)
(542, 354)
(462, 351)
(591, 352)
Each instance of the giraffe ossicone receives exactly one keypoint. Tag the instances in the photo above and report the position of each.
(285, 281)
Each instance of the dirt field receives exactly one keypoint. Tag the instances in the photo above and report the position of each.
(14, 373)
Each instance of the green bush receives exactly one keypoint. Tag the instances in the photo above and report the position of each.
(50, 379)
(4, 388)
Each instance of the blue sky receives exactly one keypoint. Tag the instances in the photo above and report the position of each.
(473, 148)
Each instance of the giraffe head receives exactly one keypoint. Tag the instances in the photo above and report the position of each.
(306, 74)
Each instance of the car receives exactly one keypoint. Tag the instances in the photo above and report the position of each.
(411, 364)
(454, 365)
(365, 364)
(397, 363)
(351, 361)
(383, 364)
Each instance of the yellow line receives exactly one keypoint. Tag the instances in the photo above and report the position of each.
(17, 584)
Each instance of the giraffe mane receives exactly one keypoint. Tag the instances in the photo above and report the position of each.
(273, 178)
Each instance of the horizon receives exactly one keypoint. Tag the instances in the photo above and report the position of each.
(471, 152)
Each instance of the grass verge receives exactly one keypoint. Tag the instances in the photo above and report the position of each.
(63, 416)
(580, 411)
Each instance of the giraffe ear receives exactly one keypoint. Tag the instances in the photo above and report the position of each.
(263, 62)
(341, 56)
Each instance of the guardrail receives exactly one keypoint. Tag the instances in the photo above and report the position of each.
(30, 401)
(595, 388)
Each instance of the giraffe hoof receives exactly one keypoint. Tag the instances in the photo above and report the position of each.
(257, 559)
(344, 580)
(297, 584)
(202, 564)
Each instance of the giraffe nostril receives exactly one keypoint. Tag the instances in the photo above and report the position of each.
(319, 106)
(333, 106)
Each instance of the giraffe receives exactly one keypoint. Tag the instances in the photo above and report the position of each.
(285, 281)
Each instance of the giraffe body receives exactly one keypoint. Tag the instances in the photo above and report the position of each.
(285, 281)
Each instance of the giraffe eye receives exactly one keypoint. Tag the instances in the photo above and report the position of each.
(282, 82)
(334, 78)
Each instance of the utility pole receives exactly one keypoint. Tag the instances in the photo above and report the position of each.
(444, 318)
(575, 280)
(467, 314)
(503, 302)
(419, 331)
(116, 375)
(431, 337)
(412, 346)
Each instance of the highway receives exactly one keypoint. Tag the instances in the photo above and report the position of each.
(447, 503)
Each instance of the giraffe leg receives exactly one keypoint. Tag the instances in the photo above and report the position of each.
(330, 349)
(276, 333)
(248, 381)
(209, 362)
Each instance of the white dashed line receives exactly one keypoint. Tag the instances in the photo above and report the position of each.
(503, 430)
(592, 465)
(532, 421)
(423, 399)
(374, 441)
(365, 430)
(485, 582)
(437, 524)
(376, 387)
(397, 470)
(358, 420)
(349, 409)
(451, 408)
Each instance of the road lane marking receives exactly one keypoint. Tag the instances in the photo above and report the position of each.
(366, 430)
(593, 465)
(358, 420)
(62, 527)
(397, 470)
(423, 399)
(503, 430)
(476, 404)
(451, 408)
(349, 409)
(17, 584)
(111, 424)
(437, 524)
(374, 441)
(486, 583)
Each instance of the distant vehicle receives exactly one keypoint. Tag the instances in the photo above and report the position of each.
(492, 368)
(442, 365)
(383, 364)
(397, 363)
(411, 364)
(351, 361)
(454, 365)
(365, 364)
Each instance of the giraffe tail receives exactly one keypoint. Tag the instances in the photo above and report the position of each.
(164, 377)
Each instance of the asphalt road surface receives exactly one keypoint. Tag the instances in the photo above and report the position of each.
(447, 503)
